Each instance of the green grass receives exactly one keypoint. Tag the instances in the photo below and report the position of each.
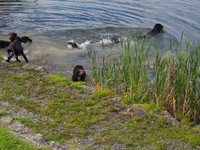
(3, 114)
(1, 58)
(67, 114)
(11, 142)
(52, 96)
(100, 94)
(138, 132)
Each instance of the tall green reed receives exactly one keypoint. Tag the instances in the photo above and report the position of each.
(176, 80)
(127, 73)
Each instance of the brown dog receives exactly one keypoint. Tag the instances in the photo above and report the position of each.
(79, 74)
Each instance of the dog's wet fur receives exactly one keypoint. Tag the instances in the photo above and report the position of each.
(115, 40)
(4, 44)
(25, 39)
(79, 74)
(157, 29)
(73, 44)
(15, 48)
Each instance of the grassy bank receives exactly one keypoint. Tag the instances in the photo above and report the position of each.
(172, 81)
(70, 114)
(11, 142)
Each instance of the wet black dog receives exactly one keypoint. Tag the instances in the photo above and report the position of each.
(4, 44)
(15, 48)
(115, 40)
(79, 74)
(73, 44)
(158, 28)
(24, 39)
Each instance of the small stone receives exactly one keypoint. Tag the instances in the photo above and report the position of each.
(38, 137)
(52, 144)
(42, 69)
(116, 99)
(17, 126)
(6, 120)
(26, 66)
(25, 131)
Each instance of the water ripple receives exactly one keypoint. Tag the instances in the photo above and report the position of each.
(36, 16)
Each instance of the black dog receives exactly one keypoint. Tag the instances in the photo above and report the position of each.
(4, 44)
(79, 74)
(73, 44)
(15, 48)
(158, 28)
(24, 39)
(115, 40)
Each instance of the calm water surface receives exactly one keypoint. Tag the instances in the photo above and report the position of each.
(51, 23)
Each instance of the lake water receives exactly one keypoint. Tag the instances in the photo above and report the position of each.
(51, 23)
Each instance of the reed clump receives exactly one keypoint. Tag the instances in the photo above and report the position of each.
(142, 76)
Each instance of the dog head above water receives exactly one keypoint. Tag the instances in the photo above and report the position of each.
(158, 28)
(72, 44)
(115, 40)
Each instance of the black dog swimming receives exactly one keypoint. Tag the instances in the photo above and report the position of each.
(79, 74)
(115, 40)
(15, 48)
(73, 44)
(157, 29)
(24, 39)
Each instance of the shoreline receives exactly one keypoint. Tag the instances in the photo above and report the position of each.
(59, 104)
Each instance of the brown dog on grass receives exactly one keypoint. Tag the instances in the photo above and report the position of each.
(79, 74)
